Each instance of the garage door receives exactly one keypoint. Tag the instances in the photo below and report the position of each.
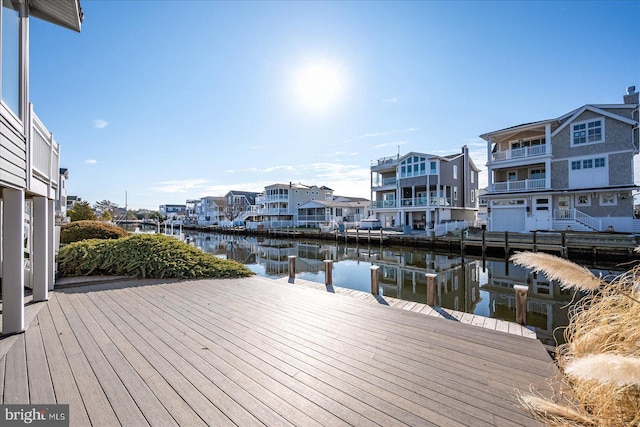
(508, 219)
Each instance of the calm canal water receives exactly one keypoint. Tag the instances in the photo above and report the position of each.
(463, 284)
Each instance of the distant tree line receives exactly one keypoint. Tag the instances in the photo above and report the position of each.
(105, 210)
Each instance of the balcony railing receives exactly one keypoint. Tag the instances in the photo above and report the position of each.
(385, 181)
(45, 153)
(384, 204)
(272, 198)
(416, 201)
(519, 153)
(524, 185)
(273, 212)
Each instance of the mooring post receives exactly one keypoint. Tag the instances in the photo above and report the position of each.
(431, 288)
(521, 303)
(563, 242)
(535, 241)
(506, 245)
(484, 242)
(328, 270)
(292, 266)
(374, 279)
(369, 237)
(462, 242)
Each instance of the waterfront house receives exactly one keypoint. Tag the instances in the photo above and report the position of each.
(332, 213)
(210, 210)
(173, 213)
(239, 205)
(420, 190)
(570, 172)
(278, 205)
(29, 163)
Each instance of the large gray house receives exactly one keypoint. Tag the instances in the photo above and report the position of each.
(574, 171)
(420, 190)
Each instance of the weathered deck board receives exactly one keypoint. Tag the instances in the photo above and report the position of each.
(260, 352)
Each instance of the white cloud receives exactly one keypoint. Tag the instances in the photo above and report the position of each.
(180, 186)
(91, 161)
(100, 124)
(341, 153)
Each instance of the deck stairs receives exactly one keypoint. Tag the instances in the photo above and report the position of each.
(564, 224)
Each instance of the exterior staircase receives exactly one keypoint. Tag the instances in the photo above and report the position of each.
(577, 220)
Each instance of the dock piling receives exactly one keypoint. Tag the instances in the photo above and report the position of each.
(521, 303)
(292, 266)
(374, 279)
(431, 288)
(328, 272)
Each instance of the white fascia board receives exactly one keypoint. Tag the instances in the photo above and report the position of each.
(596, 110)
(516, 129)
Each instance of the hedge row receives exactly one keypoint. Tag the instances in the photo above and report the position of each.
(144, 256)
(84, 230)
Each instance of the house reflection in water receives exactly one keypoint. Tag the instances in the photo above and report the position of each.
(460, 283)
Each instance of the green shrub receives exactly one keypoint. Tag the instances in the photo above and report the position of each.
(144, 256)
(84, 230)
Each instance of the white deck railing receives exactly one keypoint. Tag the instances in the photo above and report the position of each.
(523, 185)
(579, 216)
(519, 153)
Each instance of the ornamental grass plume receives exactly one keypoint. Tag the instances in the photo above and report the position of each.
(569, 274)
(599, 365)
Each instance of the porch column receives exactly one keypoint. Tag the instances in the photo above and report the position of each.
(40, 260)
(489, 171)
(547, 138)
(51, 254)
(547, 173)
(13, 261)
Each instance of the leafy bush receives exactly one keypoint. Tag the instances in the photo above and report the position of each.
(144, 256)
(84, 230)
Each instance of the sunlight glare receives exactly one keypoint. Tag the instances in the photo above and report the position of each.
(319, 85)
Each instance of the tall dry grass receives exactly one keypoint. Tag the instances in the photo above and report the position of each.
(598, 383)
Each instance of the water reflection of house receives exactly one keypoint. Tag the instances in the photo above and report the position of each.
(546, 302)
(403, 275)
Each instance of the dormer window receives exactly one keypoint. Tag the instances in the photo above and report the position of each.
(589, 132)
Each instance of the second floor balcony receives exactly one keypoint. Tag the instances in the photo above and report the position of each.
(519, 153)
(385, 182)
(413, 202)
(522, 185)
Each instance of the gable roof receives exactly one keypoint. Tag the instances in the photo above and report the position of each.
(596, 110)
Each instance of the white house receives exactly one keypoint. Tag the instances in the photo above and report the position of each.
(574, 171)
(29, 162)
(338, 210)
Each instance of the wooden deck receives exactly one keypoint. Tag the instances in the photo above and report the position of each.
(257, 352)
(440, 312)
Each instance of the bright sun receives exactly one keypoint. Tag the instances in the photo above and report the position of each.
(319, 85)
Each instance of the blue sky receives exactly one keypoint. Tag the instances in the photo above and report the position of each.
(172, 100)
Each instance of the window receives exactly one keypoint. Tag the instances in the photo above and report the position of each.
(512, 176)
(608, 199)
(583, 200)
(575, 165)
(473, 196)
(599, 162)
(537, 174)
(455, 172)
(455, 193)
(11, 58)
(472, 177)
(432, 166)
(587, 132)
(587, 164)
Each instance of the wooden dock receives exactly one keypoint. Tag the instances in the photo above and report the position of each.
(257, 352)
(439, 312)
